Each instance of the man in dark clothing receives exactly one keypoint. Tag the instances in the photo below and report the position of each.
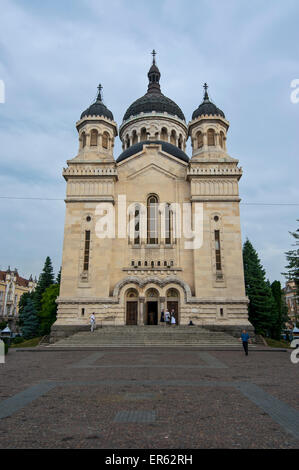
(245, 338)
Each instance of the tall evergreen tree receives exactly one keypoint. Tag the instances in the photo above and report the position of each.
(23, 302)
(58, 278)
(46, 279)
(282, 310)
(48, 311)
(29, 320)
(292, 267)
(262, 310)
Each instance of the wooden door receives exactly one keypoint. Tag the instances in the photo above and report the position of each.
(174, 305)
(132, 313)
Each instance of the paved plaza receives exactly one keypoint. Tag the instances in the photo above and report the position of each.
(149, 398)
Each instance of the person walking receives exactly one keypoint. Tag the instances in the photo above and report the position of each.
(173, 321)
(167, 317)
(245, 338)
(92, 322)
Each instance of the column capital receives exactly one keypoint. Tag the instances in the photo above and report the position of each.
(162, 299)
(142, 299)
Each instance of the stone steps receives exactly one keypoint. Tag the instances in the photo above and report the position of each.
(148, 336)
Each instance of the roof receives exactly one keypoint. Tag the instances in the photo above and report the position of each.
(207, 107)
(21, 281)
(166, 147)
(98, 108)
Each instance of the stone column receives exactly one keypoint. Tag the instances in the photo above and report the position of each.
(162, 307)
(141, 311)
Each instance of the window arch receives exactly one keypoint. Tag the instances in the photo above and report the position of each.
(105, 140)
(152, 220)
(134, 138)
(173, 137)
(143, 135)
(199, 137)
(137, 225)
(83, 137)
(127, 141)
(221, 139)
(211, 137)
(164, 135)
(180, 142)
(168, 221)
(94, 138)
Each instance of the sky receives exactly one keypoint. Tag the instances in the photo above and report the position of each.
(53, 55)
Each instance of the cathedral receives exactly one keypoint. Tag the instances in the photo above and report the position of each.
(152, 229)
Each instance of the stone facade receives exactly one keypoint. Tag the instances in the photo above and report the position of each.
(154, 257)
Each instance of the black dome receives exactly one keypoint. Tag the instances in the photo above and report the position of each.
(154, 100)
(207, 107)
(98, 108)
(166, 147)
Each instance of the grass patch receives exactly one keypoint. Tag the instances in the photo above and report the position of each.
(28, 343)
(274, 343)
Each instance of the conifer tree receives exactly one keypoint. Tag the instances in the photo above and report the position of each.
(46, 279)
(58, 278)
(292, 267)
(29, 320)
(262, 310)
(48, 311)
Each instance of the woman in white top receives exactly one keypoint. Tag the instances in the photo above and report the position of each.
(173, 322)
(92, 322)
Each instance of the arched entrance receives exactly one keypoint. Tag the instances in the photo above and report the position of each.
(152, 307)
(172, 298)
(131, 307)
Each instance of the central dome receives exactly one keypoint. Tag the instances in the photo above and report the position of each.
(154, 100)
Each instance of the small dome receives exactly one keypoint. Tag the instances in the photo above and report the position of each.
(166, 147)
(154, 100)
(98, 108)
(207, 107)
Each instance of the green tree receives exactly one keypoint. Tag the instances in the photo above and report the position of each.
(48, 311)
(292, 256)
(46, 279)
(29, 320)
(58, 278)
(282, 310)
(23, 302)
(262, 310)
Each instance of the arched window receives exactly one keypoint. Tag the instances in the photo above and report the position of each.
(180, 141)
(211, 137)
(173, 138)
(221, 139)
(167, 225)
(137, 226)
(127, 141)
(134, 138)
(94, 138)
(164, 135)
(143, 135)
(105, 140)
(152, 220)
(199, 140)
(83, 139)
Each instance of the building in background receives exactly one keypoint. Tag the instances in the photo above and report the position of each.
(12, 287)
(292, 301)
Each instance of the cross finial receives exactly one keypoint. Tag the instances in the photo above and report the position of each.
(100, 88)
(154, 56)
(206, 96)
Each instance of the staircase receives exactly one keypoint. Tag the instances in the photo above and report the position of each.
(148, 336)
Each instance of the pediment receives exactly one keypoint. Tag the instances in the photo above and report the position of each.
(150, 170)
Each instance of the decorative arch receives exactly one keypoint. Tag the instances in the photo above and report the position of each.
(141, 282)
(94, 138)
